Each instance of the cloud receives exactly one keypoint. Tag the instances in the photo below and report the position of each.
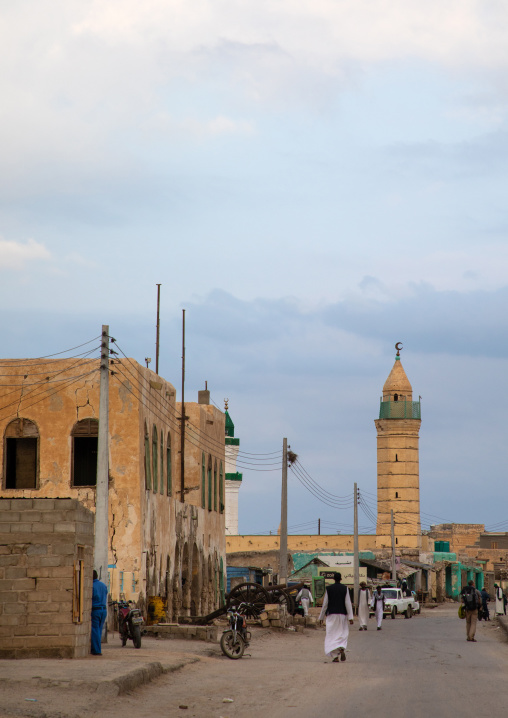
(15, 255)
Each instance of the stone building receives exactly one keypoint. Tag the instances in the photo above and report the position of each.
(166, 536)
(398, 479)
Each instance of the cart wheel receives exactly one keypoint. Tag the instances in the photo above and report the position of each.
(252, 595)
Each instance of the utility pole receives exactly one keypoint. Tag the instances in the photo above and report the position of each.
(157, 343)
(356, 578)
(394, 565)
(102, 487)
(182, 429)
(319, 527)
(283, 559)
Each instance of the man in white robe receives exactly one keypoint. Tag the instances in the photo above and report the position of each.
(339, 614)
(378, 604)
(499, 600)
(364, 599)
(305, 597)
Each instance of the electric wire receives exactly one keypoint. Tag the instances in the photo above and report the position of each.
(324, 499)
(42, 359)
(212, 444)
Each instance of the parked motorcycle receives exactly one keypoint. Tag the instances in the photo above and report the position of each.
(130, 621)
(236, 637)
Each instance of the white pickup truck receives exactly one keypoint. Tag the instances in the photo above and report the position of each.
(396, 603)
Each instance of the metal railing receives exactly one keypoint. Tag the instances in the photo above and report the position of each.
(400, 410)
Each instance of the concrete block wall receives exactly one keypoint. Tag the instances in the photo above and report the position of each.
(40, 540)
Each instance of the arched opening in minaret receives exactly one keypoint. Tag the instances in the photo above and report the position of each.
(395, 397)
(396, 494)
(396, 457)
(396, 540)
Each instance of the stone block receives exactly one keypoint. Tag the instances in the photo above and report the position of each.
(5, 504)
(21, 504)
(9, 517)
(12, 620)
(8, 597)
(44, 504)
(64, 549)
(66, 527)
(263, 616)
(49, 584)
(54, 517)
(15, 572)
(37, 549)
(265, 623)
(66, 504)
(5, 551)
(42, 528)
(50, 561)
(9, 560)
(21, 528)
(14, 609)
(276, 624)
(48, 631)
(37, 596)
(272, 606)
(22, 584)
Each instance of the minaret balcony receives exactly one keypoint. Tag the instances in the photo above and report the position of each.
(400, 410)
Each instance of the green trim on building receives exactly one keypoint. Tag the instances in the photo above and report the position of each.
(234, 477)
(230, 427)
(232, 442)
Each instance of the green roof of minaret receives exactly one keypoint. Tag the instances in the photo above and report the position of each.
(230, 427)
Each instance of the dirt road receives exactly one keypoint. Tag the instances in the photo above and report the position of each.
(419, 667)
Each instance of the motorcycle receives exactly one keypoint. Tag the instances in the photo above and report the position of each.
(130, 621)
(236, 637)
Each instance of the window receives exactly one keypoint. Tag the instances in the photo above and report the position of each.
(221, 489)
(395, 397)
(203, 480)
(493, 544)
(169, 468)
(21, 449)
(148, 477)
(215, 486)
(161, 488)
(209, 483)
(154, 458)
(84, 453)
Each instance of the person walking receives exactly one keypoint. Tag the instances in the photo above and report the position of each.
(99, 612)
(472, 600)
(485, 608)
(378, 604)
(305, 597)
(498, 593)
(339, 616)
(364, 599)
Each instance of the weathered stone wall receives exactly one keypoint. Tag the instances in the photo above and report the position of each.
(40, 541)
(159, 545)
(311, 543)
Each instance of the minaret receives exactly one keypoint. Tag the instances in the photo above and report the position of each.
(233, 478)
(398, 476)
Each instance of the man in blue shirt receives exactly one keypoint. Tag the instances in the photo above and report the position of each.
(99, 612)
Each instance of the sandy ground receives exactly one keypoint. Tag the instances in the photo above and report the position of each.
(418, 667)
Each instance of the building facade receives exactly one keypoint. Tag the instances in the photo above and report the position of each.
(166, 536)
(233, 477)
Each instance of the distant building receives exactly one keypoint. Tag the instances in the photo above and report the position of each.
(233, 477)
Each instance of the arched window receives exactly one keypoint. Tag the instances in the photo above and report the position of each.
(221, 489)
(21, 454)
(203, 480)
(209, 483)
(161, 488)
(169, 467)
(84, 452)
(148, 477)
(215, 485)
(395, 397)
(155, 458)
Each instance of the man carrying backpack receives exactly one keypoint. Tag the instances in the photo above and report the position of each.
(472, 600)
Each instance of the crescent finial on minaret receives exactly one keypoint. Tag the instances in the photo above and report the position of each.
(398, 347)
(226, 404)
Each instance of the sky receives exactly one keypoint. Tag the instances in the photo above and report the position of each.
(312, 182)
